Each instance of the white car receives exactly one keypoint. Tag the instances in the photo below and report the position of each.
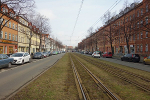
(96, 54)
(21, 57)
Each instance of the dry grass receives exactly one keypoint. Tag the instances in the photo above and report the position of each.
(56, 84)
(125, 90)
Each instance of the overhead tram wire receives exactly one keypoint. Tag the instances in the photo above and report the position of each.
(112, 7)
(77, 19)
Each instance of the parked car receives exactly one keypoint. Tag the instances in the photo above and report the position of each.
(147, 60)
(5, 61)
(45, 54)
(49, 53)
(96, 54)
(107, 54)
(131, 57)
(21, 57)
(90, 53)
(38, 55)
(54, 53)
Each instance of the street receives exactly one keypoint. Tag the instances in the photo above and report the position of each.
(18, 75)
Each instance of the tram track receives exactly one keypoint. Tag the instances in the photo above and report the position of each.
(97, 81)
(121, 74)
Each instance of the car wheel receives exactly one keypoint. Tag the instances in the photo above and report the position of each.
(22, 62)
(121, 59)
(29, 60)
(9, 65)
(144, 62)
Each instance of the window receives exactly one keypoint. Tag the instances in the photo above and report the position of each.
(16, 37)
(133, 37)
(137, 48)
(141, 23)
(9, 36)
(19, 38)
(141, 48)
(4, 9)
(137, 24)
(9, 24)
(130, 18)
(13, 26)
(138, 36)
(146, 47)
(146, 20)
(1, 35)
(147, 8)
(1, 20)
(7, 10)
(16, 27)
(137, 13)
(5, 35)
(133, 16)
(141, 12)
(146, 35)
(141, 35)
(13, 38)
(5, 22)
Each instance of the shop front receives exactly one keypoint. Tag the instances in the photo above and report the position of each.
(8, 47)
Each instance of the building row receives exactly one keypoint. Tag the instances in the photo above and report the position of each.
(127, 32)
(17, 33)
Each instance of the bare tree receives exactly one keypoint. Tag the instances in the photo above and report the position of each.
(16, 8)
(109, 18)
(44, 26)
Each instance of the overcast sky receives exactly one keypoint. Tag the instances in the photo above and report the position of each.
(63, 15)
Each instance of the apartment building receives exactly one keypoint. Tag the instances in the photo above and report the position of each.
(128, 30)
(9, 31)
(23, 35)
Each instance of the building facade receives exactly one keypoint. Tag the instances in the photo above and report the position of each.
(127, 32)
(9, 31)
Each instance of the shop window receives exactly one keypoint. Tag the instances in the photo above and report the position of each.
(1, 49)
(10, 49)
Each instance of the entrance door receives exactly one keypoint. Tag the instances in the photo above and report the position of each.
(1, 49)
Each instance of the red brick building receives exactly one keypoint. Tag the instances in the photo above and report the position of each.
(128, 30)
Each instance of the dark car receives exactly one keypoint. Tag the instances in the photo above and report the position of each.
(5, 61)
(131, 57)
(107, 54)
(49, 53)
(38, 55)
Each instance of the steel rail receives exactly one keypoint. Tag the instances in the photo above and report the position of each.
(111, 95)
(82, 91)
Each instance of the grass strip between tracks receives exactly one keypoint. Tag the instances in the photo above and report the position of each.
(56, 84)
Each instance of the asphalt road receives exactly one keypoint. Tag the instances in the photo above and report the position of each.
(140, 66)
(14, 78)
